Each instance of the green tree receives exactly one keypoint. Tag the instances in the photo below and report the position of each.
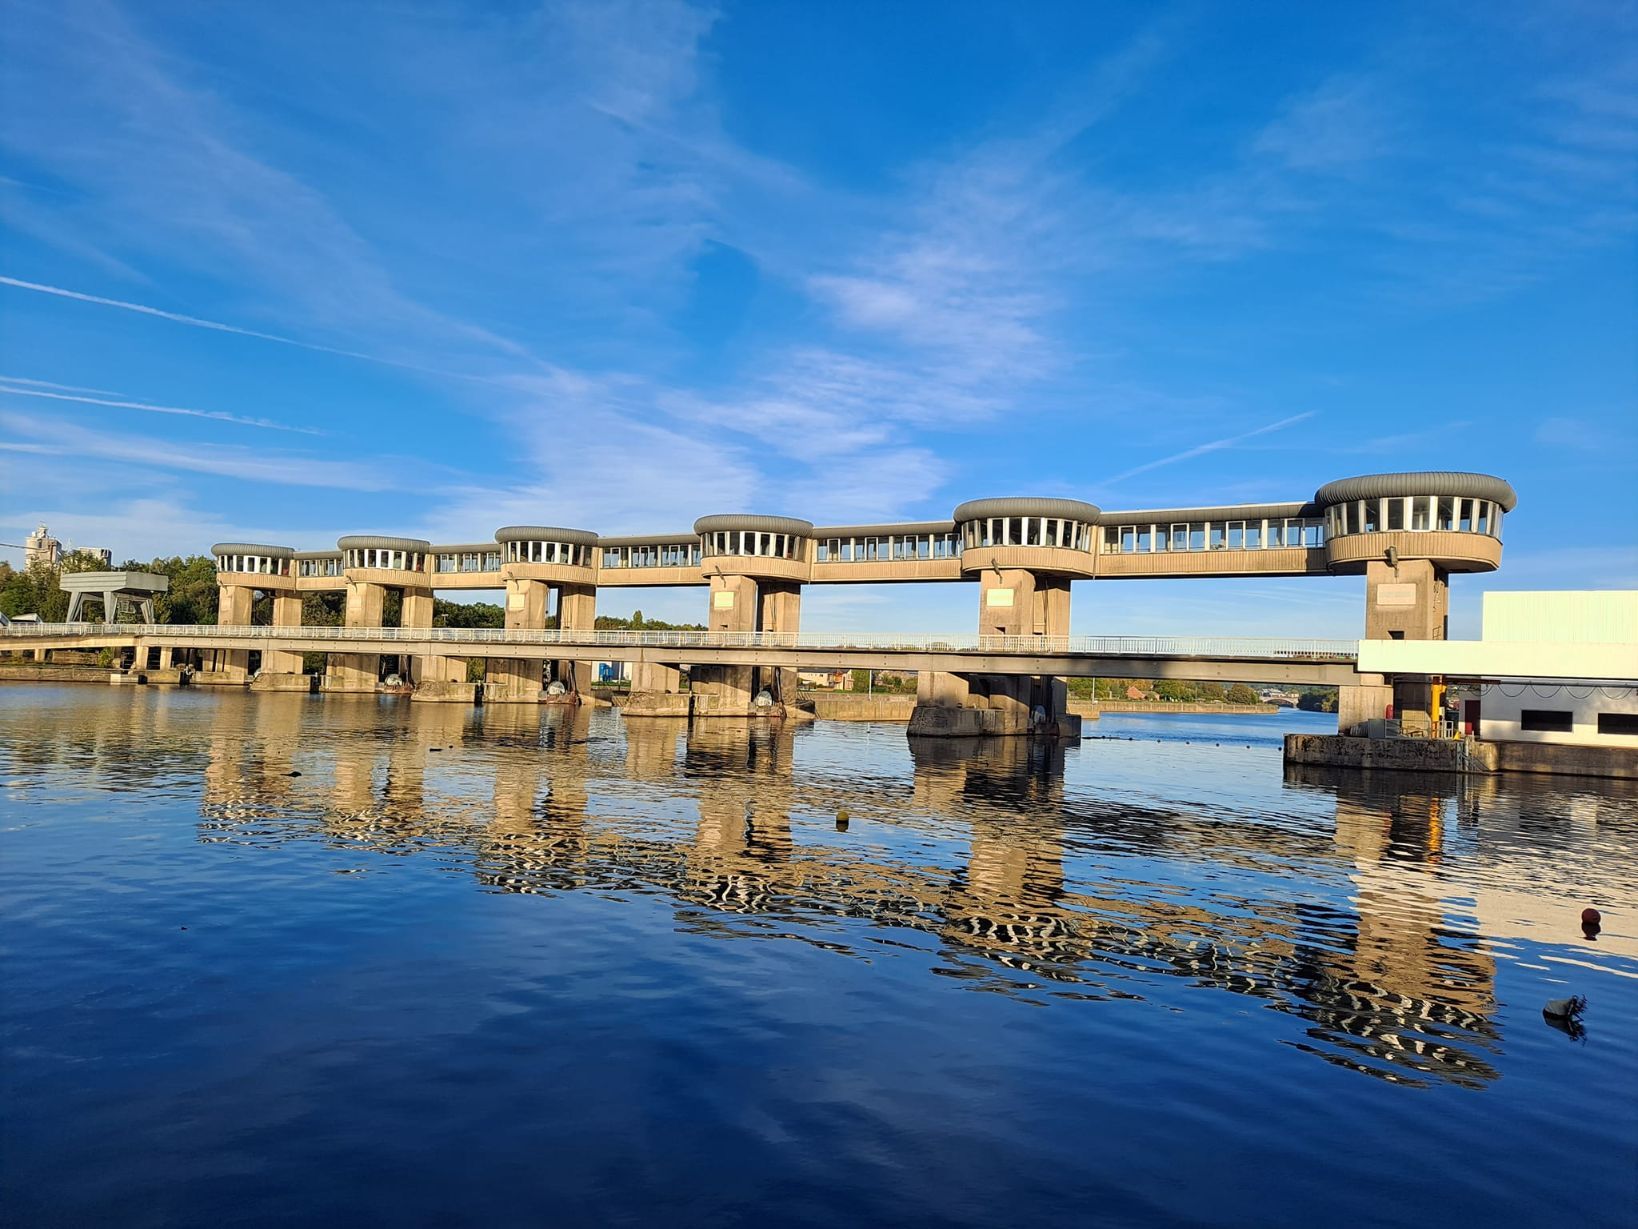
(1318, 700)
(1213, 691)
(467, 614)
(1241, 694)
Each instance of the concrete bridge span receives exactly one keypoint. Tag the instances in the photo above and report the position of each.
(1324, 662)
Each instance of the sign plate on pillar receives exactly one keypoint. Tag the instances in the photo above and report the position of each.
(998, 597)
(722, 599)
(514, 601)
(1395, 595)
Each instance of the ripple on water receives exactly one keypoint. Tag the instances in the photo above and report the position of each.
(276, 957)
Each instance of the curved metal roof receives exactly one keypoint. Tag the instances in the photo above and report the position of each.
(751, 523)
(1071, 509)
(371, 541)
(253, 548)
(1418, 482)
(545, 533)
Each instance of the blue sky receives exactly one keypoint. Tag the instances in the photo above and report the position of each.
(282, 272)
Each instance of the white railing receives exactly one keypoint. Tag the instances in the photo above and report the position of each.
(1210, 647)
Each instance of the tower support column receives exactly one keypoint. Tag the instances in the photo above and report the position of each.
(517, 680)
(358, 671)
(1013, 603)
(1404, 600)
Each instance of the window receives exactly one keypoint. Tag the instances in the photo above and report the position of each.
(1483, 517)
(1446, 515)
(1313, 533)
(1128, 538)
(1557, 721)
(1372, 516)
(1422, 512)
(1254, 535)
(1180, 537)
(1396, 513)
(1495, 521)
(1214, 535)
(1625, 724)
(1197, 535)
(1146, 538)
(1236, 535)
(1464, 516)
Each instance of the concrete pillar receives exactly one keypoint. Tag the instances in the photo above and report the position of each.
(166, 658)
(1409, 600)
(577, 612)
(416, 612)
(233, 604)
(781, 611)
(517, 680)
(721, 691)
(652, 676)
(286, 613)
(358, 671)
(1012, 602)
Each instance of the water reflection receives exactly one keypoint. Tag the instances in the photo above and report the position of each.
(1374, 909)
(1375, 924)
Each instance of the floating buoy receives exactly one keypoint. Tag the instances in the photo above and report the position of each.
(1591, 917)
(841, 820)
(292, 773)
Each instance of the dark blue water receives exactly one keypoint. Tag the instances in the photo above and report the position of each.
(507, 967)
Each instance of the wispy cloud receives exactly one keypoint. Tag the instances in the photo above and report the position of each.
(1200, 450)
(219, 327)
(58, 438)
(8, 389)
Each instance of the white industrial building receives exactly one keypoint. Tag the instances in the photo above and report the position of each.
(1550, 667)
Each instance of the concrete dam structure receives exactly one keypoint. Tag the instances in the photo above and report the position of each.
(1405, 533)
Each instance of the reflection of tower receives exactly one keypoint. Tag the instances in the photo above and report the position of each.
(1411, 987)
(1009, 901)
(742, 775)
(247, 772)
(536, 839)
(651, 748)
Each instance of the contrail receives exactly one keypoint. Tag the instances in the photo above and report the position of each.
(61, 388)
(216, 325)
(216, 415)
(1214, 446)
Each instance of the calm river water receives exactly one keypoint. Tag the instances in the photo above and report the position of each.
(273, 959)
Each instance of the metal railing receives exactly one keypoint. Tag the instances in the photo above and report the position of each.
(1209, 647)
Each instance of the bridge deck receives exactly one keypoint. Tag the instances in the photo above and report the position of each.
(1191, 657)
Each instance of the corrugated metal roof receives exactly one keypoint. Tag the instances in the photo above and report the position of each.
(252, 548)
(545, 533)
(370, 541)
(1026, 505)
(752, 523)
